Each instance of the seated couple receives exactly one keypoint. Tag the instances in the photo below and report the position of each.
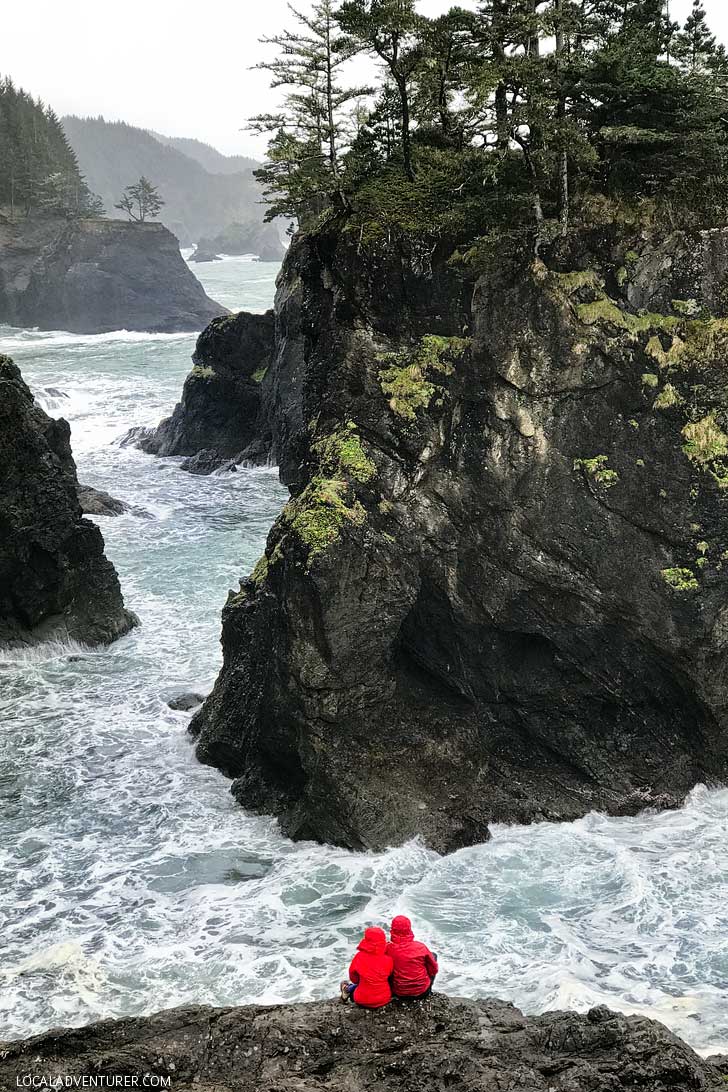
(404, 968)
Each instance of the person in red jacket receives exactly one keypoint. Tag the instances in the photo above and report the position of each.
(369, 972)
(415, 966)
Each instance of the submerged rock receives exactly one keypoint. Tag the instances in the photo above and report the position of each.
(500, 590)
(97, 502)
(185, 702)
(430, 1046)
(54, 578)
(219, 413)
(93, 276)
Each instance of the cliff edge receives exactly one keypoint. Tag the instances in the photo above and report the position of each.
(55, 581)
(443, 1043)
(93, 276)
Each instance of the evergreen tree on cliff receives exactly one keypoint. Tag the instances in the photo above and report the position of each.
(304, 157)
(506, 120)
(140, 201)
(38, 168)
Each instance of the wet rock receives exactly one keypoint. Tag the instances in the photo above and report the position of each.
(440, 1044)
(96, 502)
(218, 415)
(187, 701)
(92, 276)
(55, 581)
(500, 590)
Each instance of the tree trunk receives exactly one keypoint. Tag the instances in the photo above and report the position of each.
(561, 119)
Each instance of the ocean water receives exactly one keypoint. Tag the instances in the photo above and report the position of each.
(130, 881)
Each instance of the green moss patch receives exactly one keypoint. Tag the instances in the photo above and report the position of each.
(342, 454)
(200, 372)
(259, 375)
(680, 580)
(404, 379)
(668, 398)
(598, 470)
(319, 513)
(705, 440)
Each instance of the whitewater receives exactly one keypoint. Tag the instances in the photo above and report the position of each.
(131, 882)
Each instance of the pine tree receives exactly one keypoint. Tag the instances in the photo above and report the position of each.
(140, 201)
(388, 29)
(311, 124)
(696, 47)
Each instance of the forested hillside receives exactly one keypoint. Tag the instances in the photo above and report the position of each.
(207, 156)
(198, 202)
(38, 168)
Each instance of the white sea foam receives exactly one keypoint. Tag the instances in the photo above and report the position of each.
(130, 881)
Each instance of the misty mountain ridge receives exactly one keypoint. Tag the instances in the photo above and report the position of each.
(205, 192)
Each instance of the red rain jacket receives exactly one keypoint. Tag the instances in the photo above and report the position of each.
(414, 964)
(370, 969)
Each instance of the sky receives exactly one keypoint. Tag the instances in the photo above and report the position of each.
(181, 68)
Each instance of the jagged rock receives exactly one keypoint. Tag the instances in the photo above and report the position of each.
(54, 578)
(252, 237)
(500, 591)
(431, 1046)
(202, 254)
(184, 702)
(92, 276)
(96, 502)
(219, 412)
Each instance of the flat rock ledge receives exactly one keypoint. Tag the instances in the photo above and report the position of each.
(442, 1043)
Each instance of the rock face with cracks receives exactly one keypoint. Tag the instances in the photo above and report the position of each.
(93, 276)
(218, 419)
(444, 1043)
(499, 590)
(55, 581)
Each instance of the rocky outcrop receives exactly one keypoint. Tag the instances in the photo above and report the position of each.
(219, 415)
(248, 238)
(97, 502)
(443, 1043)
(93, 276)
(54, 578)
(499, 590)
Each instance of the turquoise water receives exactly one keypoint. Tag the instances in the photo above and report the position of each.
(129, 880)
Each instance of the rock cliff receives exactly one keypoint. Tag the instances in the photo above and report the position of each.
(219, 415)
(444, 1043)
(54, 578)
(498, 592)
(93, 276)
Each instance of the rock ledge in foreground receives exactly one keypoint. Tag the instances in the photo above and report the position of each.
(443, 1043)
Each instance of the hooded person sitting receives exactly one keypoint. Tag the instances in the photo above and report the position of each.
(415, 966)
(369, 972)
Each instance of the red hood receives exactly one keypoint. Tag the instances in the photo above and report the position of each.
(374, 942)
(401, 930)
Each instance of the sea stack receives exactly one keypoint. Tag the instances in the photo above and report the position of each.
(55, 581)
(499, 591)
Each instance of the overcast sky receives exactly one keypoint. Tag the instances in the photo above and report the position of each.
(180, 68)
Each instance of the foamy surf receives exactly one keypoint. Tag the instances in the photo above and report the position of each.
(130, 881)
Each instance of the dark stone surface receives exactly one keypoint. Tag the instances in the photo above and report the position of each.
(54, 578)
(92, 276)
(219, 412)
(430, 1046)
(184, 702)
(484, 630)
(97, 502)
